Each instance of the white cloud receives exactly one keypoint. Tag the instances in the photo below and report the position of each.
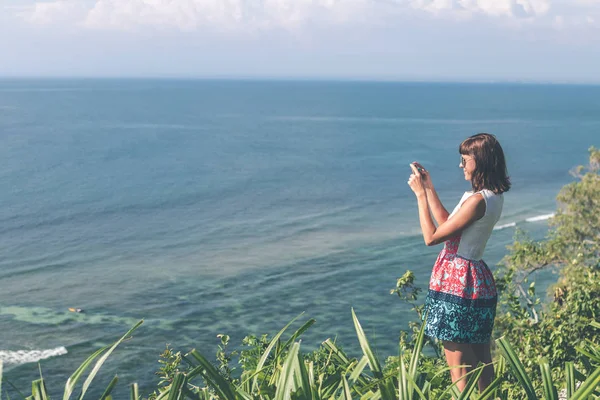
(509, 8)
(252, 15)
(219, 14)
(52, 12)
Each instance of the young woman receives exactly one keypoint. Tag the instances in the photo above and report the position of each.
(461, 303)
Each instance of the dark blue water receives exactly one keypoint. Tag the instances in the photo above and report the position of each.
(209, 207)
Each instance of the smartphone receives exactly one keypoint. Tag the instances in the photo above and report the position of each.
(418, 168)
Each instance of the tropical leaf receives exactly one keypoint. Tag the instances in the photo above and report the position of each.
(176, 389)
(74, 378)
(265, 355)
(385, 386)
(224, 388)
(490, 391)
(550, 392)
(517, 368)
(107, 392)
(38, 390)
(70, 385)
(135, 395)
(570, 376)
(285, 384)
(588, 386)
(471, 384)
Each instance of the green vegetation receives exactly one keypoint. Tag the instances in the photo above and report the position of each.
(563, 328)
(544, 350)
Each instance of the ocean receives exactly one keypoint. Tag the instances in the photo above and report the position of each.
(208, 207)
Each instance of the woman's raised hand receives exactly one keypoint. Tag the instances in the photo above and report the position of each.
(425, 177)
(415, 181)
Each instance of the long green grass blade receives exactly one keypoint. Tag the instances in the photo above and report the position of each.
(588, 386)
(409, 387)
(455, 392)
(500, 371)
(336, 352)
(304, 382)
(570, 377)
(453, 389)
(265, 355)
(404, 391)
(550, 392)
(416, 354)
(347, 394)
(500, 368)
(358, 369)
(176, 389)
(420, 385)
(310, 370)
(592, 351)
(224, 388)
(135, 395)
(490, 391)
(107, 392)
(73, 379)
(329, 385)
(285, 384)
(38, 390)
(373, 396)
(443, 370)
(299, 332)
(425, 388)
(1, 373)
(516, 367)
(471, 384)
(366, 348)
(338, 355)
(163, 395)
(102, 359)
(385, 386)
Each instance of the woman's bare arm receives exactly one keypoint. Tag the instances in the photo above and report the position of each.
(471, 210)
(435, 204)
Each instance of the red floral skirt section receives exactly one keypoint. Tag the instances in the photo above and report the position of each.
(461, 303)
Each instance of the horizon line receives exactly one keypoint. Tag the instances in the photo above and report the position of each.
(258, 78)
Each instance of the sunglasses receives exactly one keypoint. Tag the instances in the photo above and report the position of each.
(464, 161)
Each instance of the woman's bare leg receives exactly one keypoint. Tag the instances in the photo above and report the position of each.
(483, 354)
(460, 359)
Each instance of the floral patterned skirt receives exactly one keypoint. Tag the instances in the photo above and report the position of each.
(461, 303)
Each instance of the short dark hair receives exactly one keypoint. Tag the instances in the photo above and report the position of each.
(490, 165)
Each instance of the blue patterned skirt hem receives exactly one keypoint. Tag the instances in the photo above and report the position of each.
(455, 319)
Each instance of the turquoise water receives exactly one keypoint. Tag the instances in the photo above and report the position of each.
(209, 207)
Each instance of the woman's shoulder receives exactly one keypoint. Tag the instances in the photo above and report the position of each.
(475, 198)
(487, 193)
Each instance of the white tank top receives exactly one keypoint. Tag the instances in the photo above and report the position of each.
(475, 237)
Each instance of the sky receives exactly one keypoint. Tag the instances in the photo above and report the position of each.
(408, 40)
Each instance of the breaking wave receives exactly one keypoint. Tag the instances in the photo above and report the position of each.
(537, 218)
(29, 356)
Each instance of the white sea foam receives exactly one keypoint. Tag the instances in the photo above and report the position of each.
(540, 218)
(537, 218)
(29, 356)
(500, 227)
